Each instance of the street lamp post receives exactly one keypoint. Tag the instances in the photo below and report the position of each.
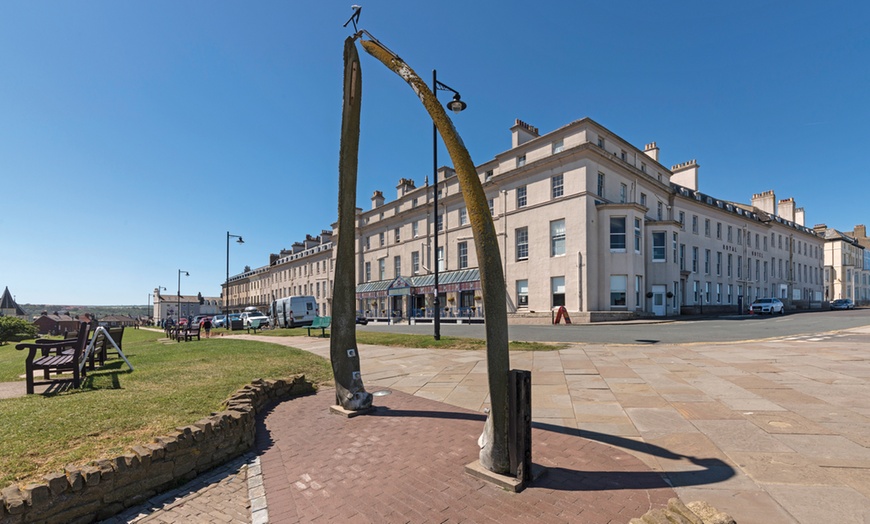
(178, 311)
(456, 105)
(227, 285)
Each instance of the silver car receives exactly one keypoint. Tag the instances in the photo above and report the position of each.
(767, 305)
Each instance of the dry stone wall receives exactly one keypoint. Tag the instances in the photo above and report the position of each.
(82, 494)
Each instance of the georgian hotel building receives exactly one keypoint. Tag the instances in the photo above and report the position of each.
(585, 220)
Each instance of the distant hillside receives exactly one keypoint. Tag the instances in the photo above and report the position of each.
(34, 310)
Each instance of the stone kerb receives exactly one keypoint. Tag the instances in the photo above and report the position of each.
(102, 488)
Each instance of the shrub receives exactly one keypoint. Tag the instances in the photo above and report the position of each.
(14, 328)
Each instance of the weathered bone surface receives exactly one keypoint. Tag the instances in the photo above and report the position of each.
(494, 455)
(350, 393)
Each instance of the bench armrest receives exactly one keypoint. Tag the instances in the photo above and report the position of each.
(44, 348)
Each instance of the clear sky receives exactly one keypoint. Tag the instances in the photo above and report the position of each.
(134, 135)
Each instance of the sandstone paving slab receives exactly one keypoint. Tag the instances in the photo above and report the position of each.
(591, 395)
(720, 388)
(547, 378)
(437, 393)
(706, 410)
(740, 435)
(551, 396)
(586, 381)
(821, 447)
(697, 396)
(751, 506)
(789, 398)
(448, 377)
(615, 372)
(786, 422)
(822, 504)
(409, 381)
(688, 452)
(596, 411)
(620, 429)
(629, 400)
(753, 382)
(635, 386)
(855, 477)
(751, 404)
(782, 468)
(659, 421)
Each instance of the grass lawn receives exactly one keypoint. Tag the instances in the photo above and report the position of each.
(418, 341)
(174, 384)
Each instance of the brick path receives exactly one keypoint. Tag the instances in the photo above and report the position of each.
(220, 495)
(405, 463)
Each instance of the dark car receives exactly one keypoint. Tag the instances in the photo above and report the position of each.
(843, 303)
(362, 320)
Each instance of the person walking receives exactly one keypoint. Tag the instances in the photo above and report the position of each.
(206, 326)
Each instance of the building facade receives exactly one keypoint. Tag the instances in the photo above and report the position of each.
(585, 221)
(847, 264)
(183, 306)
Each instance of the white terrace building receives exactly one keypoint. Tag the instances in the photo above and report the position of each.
(585, 220)
(847, 264)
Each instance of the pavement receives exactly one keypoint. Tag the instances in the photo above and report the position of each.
(768, 431)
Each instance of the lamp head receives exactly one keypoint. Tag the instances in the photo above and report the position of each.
(456, 105)
(240, 241)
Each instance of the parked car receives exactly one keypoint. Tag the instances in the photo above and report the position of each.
(254, 314)
(362, 320)
(219, 321)
(843, 303)
(767, 305)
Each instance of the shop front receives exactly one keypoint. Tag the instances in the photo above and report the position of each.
(407, 298)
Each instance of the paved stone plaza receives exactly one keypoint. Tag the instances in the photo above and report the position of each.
(772, 431)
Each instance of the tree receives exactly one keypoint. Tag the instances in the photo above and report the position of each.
(494, 453)
(12, 328)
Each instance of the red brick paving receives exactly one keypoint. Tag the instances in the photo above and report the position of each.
(405, 462)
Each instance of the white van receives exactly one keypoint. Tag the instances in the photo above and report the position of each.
(293, 311)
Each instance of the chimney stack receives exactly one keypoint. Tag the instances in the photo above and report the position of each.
(406, 185)
(765, 201)
(651, 150)
(786, 209)
(522, 132)
(799, 216)
(686, 174)
(377, 199)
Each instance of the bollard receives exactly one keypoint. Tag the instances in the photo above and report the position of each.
(520, 425)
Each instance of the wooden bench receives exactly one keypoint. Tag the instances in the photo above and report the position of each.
(187, 334)
(320, 323)
(51, 359)
(102, 345)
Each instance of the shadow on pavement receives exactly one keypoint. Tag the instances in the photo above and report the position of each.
(713, 469)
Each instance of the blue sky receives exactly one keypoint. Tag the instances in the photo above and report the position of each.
(134, 135)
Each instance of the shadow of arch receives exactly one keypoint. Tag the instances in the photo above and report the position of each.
(712, 470)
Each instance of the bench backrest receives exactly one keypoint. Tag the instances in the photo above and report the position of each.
(81, 344)
(321, 322)
(117, 333)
